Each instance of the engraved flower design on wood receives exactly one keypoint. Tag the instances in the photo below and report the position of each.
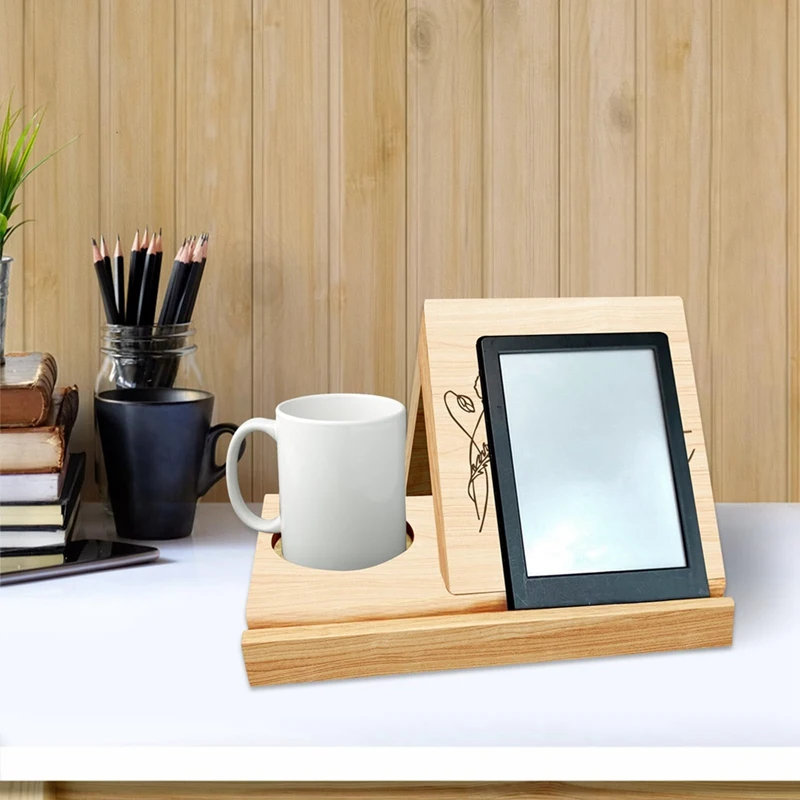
(468, 416)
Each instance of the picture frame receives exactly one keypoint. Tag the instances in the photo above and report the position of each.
(526, 585)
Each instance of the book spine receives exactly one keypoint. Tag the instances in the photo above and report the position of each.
(27, 407)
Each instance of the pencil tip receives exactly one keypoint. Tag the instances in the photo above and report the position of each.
(94, 241)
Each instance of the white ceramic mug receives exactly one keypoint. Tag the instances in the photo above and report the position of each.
(341, 479)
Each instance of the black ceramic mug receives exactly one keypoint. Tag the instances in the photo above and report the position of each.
(158, 448)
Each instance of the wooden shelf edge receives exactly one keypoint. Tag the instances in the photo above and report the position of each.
(300, 654)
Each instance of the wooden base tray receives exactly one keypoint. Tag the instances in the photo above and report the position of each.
(311, 625)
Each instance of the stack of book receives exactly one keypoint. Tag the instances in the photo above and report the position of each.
(40, 480)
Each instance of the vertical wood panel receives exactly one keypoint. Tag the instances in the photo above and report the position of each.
(349, 166)
(62, 314)
(675, 196)
(290, 167)
(214, 193)
(750, 363)
(598, 147)
(12, 82)
(368, 285)
(137, 97)
(445, 155)
(793, 245)
(521, 148)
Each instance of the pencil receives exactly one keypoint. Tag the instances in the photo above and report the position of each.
(107, 264)
(173, 287)
(184, 276)
(192, 285)
(104, 253)
(106, 288)
(159, 259)
(182, 306)
(134, 282)
(119, 281)
(201, 259)
(149, 288)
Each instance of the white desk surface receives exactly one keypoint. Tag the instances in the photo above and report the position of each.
(150, 656)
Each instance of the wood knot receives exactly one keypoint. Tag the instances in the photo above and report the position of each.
(621, 111)
(422, 34)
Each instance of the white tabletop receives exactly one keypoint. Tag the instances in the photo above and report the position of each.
(151, 655)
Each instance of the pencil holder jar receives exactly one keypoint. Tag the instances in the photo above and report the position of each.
(161, 357)
(143, 358)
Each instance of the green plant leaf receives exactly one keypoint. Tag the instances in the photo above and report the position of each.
(5, 132)
(24, 146)
(18, 225)
(15, 157)
(15, 162)
(47, 158)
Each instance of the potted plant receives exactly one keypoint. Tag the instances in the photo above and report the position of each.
(15, 156)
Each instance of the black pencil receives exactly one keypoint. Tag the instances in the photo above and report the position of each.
(190, 287)
(119, 281)
(156, 276)
(134, 283)
(173, 288)
(199, 269)
(145, 243)
(149, 289)
(184, 276)
(106, 287)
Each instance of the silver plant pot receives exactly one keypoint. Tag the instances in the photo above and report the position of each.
(5, 276)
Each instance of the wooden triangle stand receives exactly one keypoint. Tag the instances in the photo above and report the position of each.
(441, 605)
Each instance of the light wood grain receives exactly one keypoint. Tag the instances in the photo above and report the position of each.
(494, 638)
(368, 153)
(411, 585)
(793, 242)
(33, 790)
(445, 147)
(598, 148)
(750, 386)
(12, 86)
(580, 147)
(62, 305)
(469, 546)
(521, 148)
(137, 137)
(431, 791)
(290, 197)
(418, 473)
(214, 193)
(674, 199)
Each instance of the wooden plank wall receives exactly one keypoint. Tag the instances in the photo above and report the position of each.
(353, 157)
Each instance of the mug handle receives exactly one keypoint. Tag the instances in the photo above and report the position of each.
(210, 471)
(257, 523)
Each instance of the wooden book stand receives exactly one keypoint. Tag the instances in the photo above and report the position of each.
(441, 604)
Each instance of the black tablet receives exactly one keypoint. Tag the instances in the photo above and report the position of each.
(591, 478)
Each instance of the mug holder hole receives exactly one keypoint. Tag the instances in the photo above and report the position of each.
(277, 546)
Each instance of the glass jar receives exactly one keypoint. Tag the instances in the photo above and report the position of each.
(139, 358)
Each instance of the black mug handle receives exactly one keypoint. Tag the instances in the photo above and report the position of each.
(210, 471)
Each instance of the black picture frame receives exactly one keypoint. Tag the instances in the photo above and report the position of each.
(600, 588)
